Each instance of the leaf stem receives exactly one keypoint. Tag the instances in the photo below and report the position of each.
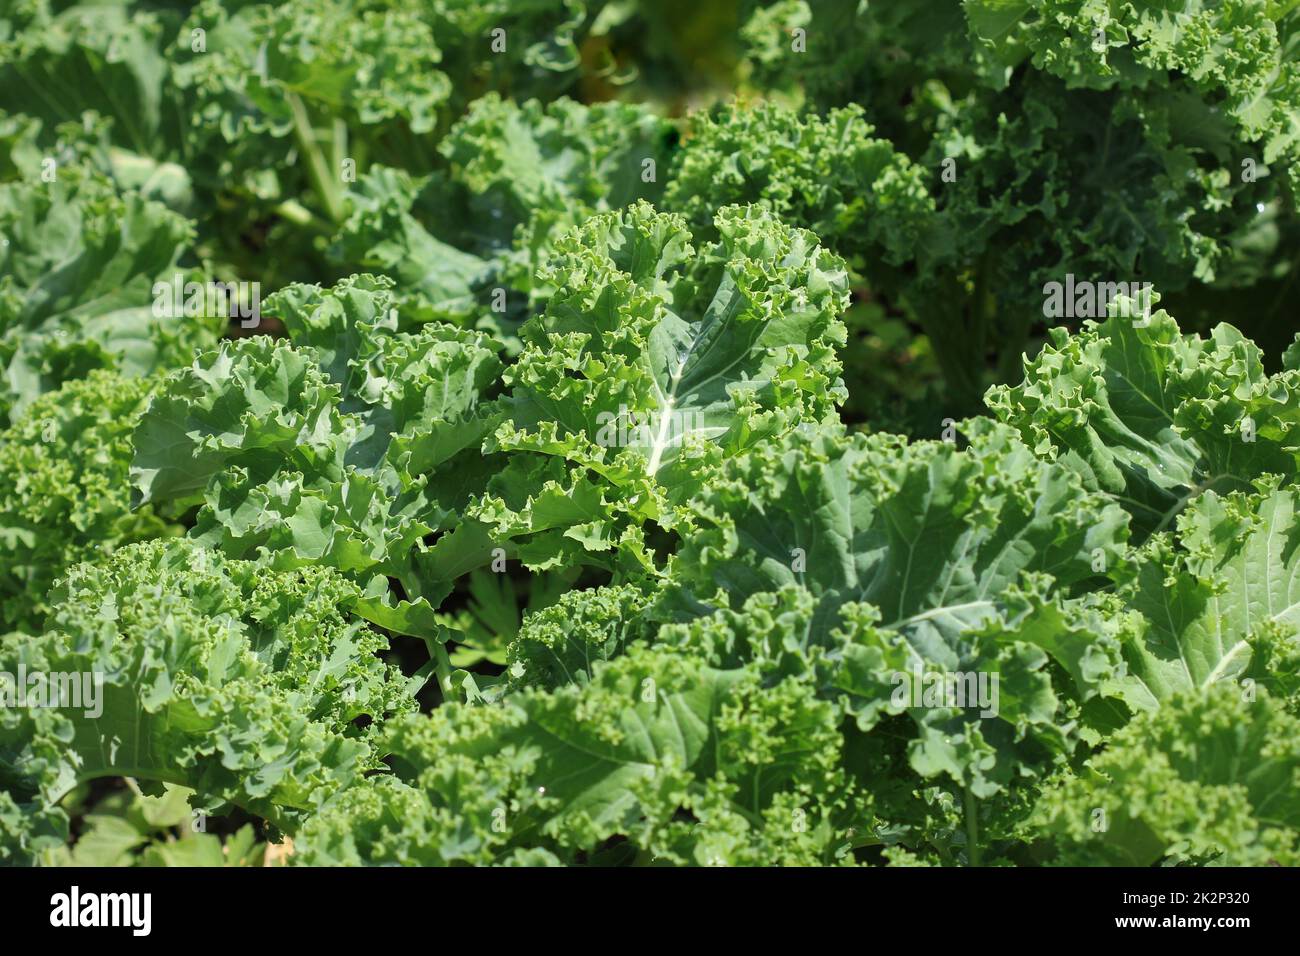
(317, 166)
(441, 664)
(952, 352)
(295, 212)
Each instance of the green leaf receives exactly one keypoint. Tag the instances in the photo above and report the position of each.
(562, 772)
(77, 284)
(1209, 778)
(650, 366)
(64, 496)
(1155, 417)
(1228, 584)
(344, 446)
(223, 676)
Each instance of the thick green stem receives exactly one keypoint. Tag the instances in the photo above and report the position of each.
(951, 351)
(325, 184)
(441, 662)
(442, 666)
(295, 212)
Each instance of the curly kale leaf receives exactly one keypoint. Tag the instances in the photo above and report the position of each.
(1154, 417)
(1209, 778)
(242, 683)
(922, 557)
(78, 267)
(856, 193)
(1221, 599)
(64, 495)
(649, 367)
(516, 176)
(345, 446)
(686, 763)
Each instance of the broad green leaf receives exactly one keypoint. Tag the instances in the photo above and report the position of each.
(1229, 581)
(651, 365)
